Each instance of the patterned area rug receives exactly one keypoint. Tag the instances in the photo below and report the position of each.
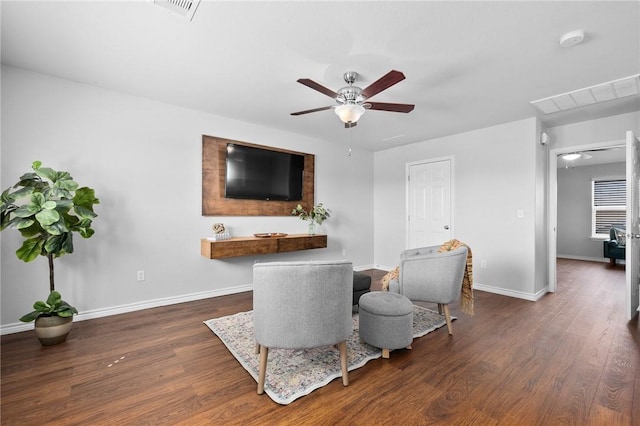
(295, 373)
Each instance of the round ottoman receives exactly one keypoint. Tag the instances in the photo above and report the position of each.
(386, 321)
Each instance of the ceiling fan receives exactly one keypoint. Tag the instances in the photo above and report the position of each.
(570, 156)
(352, 101)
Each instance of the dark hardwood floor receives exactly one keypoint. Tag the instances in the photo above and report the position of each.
(570, 358)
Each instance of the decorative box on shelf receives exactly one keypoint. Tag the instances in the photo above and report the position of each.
(219, 237)
(246, 246)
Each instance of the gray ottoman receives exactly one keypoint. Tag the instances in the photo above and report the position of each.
(386, 321)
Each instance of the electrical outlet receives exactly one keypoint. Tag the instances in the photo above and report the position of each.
(344, 252)
(483, 264)
(140, 275)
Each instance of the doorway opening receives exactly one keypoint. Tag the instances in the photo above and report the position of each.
(553, 198)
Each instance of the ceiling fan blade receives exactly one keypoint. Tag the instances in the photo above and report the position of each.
(383, 106)
(319, 87)
(311, 110)
(609, 148)
(384, 82)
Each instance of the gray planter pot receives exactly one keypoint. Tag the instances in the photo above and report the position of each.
(52, 330)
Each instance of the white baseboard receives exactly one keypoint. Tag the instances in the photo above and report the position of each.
(482, 287)
(132, 307)
(370, 266)
(147, 304)
(383, 267)
(533, 297)
(585, 258)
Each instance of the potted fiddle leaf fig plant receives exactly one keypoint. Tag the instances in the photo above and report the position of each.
(317, 215)
(47, 207)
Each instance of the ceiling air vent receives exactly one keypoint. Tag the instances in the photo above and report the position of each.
(610, 90)
(184, 8)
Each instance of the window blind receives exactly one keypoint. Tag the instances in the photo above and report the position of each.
(609, 205)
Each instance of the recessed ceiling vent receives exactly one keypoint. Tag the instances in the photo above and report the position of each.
(610, 90)
(184, 8)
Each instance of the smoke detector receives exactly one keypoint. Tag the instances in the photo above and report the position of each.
(572, 38)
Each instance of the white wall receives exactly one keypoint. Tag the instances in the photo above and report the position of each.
(574, 210)
(496, 170)
(143, 158)
(594, 131)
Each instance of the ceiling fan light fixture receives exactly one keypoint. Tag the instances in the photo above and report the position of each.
(349, 113)
(571, 157)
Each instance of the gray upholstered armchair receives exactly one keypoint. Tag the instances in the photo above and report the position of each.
(429, 276)
(302, 305)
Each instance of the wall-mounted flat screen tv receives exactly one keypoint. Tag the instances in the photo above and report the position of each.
(262, 174)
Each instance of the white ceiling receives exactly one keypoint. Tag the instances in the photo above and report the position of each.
(468, 65)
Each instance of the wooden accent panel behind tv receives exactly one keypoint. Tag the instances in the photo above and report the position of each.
(214, 170)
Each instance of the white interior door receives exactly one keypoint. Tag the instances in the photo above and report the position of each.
(632, 251)
(429, 203)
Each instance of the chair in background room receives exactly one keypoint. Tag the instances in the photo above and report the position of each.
(427, 275)
(361, 286)
(614, 247)
(298, 305)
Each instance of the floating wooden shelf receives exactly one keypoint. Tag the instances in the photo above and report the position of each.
(246, 246)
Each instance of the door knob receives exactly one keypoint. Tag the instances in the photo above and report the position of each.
(446, 227)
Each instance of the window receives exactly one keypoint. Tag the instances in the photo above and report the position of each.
(609, 206)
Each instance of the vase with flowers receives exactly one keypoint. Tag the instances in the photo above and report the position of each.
(316, 215)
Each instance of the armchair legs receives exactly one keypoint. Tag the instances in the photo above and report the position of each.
(262, 370)
(343, 363)
(445, 307)
(447, 316)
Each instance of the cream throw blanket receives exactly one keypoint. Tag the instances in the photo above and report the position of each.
(466, 305)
